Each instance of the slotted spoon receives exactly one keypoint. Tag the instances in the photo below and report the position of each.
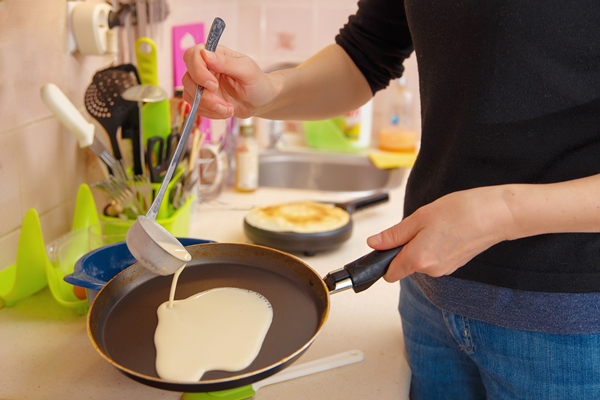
(103, 101)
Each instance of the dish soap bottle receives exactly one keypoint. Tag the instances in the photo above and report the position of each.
(246, 158)
(400, 135)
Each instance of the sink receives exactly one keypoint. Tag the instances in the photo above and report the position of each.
(325, 172)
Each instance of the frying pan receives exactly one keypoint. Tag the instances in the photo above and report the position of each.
(311, 243)
(122, 319)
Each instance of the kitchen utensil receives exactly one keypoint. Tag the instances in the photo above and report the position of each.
(213, 172)
(311, 243)
(149, 242)
(104, 102)
(122, 319)
(156, 116)
(142, 94)
(130, 128)
(190, 176)
(145, 94)
(83, 130)
(120, 192)
(159, 152)
(143, 189)
(293, 372)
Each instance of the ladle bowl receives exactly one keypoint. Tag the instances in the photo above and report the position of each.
(155, 247)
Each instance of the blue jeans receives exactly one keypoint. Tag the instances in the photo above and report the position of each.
(453, 357)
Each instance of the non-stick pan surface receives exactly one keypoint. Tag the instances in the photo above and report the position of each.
(122, 320)
(311, 243)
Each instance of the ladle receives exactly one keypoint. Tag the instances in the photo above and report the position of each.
(142, 94)
(151, 244)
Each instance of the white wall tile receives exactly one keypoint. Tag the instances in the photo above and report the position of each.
(288, 32)
(49, 160)
(330, 18)
(11, 212)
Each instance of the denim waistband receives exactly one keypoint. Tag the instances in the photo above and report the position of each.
(561, 313)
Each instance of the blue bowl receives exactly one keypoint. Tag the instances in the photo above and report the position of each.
(93, 270)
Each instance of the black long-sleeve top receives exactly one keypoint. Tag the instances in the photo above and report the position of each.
(510, 93)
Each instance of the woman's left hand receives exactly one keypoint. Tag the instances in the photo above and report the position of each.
(444, 235)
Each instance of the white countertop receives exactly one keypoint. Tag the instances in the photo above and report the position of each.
(45, 351)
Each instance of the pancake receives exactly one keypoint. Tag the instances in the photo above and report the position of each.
(298, 217)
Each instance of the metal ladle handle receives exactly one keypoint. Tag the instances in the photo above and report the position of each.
(216, 30)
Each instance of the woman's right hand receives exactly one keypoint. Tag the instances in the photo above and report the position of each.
(233, 83)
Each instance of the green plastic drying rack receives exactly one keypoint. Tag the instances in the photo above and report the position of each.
(33, 270)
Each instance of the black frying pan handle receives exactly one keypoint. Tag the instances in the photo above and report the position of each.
(364, 202)
(360, 274)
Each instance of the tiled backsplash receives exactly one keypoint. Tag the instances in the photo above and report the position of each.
(41, 165)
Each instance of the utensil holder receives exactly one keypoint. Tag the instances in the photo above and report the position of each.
(176, 221)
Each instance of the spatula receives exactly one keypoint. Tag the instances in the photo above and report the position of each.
(83, 130)
(296, 371)
(156, 117)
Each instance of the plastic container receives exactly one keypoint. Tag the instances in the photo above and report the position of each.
(349, 133)
(400, 135)
(96, 268)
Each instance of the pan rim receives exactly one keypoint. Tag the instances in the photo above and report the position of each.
(261, 373)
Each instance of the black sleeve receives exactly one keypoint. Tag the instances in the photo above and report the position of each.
(378, 40)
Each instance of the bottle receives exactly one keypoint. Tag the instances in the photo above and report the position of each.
(357, 124)
(246, 158)
(400, 134)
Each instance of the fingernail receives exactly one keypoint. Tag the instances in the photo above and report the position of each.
(375, 239)
(210, 55)
(210, 85)
(220, 109)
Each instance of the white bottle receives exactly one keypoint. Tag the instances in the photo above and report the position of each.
(357, 125)
(246, 158)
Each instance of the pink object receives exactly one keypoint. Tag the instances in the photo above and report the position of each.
(184, 37)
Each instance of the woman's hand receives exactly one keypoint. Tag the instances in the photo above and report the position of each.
(443, 236)
(324, 86)
(233, 83)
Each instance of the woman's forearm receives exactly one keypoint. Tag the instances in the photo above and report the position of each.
(571, 206)
(326, 85)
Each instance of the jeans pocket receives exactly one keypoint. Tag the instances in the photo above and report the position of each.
(459, 328)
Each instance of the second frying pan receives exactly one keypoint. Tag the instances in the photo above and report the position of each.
(122, 319)
(311, 243)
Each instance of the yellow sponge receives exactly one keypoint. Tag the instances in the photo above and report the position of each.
(389, 159)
